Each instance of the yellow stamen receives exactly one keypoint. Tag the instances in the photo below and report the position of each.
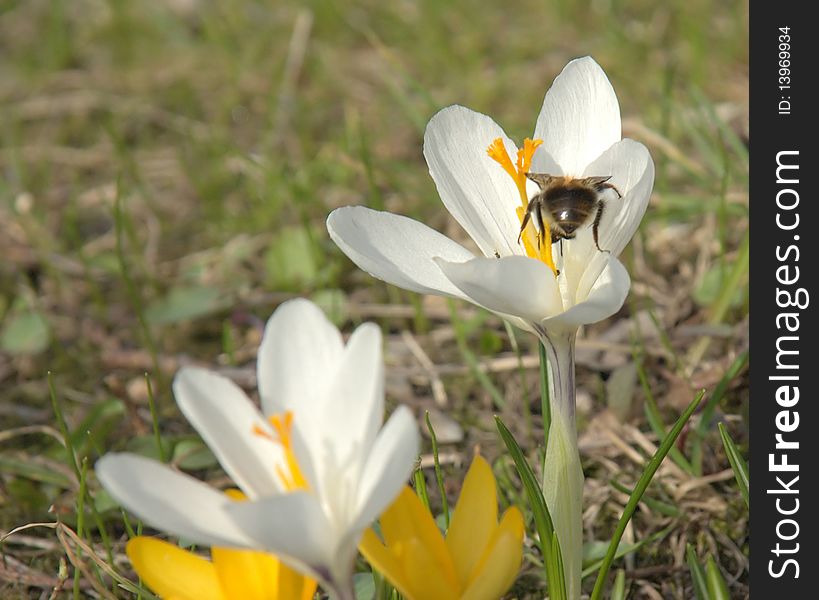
(535, 248)
(291, 476)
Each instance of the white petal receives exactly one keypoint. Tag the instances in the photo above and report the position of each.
(606, 297)
(170, 501)
(290, 525)
(225, 418)
(395, 249)
(542, 162)
(301, 349)
(475, 189)
(389, 466)
(352, 413)
(514, 285)
(632, 171)
(580, 117)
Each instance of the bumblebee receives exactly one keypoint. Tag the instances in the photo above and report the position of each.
(566, 204)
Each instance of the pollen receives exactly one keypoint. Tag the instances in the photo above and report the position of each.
(289, 473)
(537, 245)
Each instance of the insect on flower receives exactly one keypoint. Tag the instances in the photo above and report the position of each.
(565, 204)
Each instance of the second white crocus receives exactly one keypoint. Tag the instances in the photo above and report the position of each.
(549, 289)
(316, 467)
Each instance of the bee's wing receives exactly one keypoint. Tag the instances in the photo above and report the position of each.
(543, 180)
(594, 181)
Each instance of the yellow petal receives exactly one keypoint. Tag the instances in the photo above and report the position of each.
(426, 574)
(408, 519)
(247, 574)
(385, 562)
(475, 518)
(234, 494)
(498, 567)
(172, 572)
(293, 584)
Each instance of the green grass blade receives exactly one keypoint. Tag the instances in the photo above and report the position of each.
(664, 508)
(639, 489)
(738, 464)
(421, 487)
(439, 476)
(472, 361)
(717, 588)
(697, 574)
(560, 592)
(618, 591)
(623, 549)
(710, 407)
(543, 520)
(655, 420)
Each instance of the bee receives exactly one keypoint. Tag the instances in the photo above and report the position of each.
(568, 204)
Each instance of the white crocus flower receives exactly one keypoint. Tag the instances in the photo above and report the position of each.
(549, 289)
(316, 467)
(577, 134)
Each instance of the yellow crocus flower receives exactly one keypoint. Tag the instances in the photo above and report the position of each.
(478, 559)
(176, 574)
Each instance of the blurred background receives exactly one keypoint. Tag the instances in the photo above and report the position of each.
(166, 169)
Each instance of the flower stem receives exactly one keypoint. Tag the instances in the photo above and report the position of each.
(343, 592)
(560, 354)
(562, 471)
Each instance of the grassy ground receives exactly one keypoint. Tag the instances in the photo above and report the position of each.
(165, 172)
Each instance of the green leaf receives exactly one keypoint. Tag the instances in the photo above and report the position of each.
(618, 591)
(697, 574)
(364, 586)
(543, 520)
(710, 406)
(193, 455)
(639, 489)
(25, 333)
(591, 553)
(11, 466)
(291, 261)
(738, 464)
(710, 286)
(333, 303)
(560, 593)
(439, 476)
(185, 303)
(96, 425)
(717, 588)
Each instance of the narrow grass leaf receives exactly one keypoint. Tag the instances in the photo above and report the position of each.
(421, 487)
(639, 489)
(655, 420)
(439, 476)
(618, 591)
(559, 593)
(543, 520)
(710, 407)
(697, 574)
(717, 588)
(664, 508)
(738, 464)
(472, 361)
(623, 549)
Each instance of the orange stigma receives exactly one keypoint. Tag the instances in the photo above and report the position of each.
(290, 474)
(517, 171)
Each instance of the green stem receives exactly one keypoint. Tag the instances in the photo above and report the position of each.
(562, 471)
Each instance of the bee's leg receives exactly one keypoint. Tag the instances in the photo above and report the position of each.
(609, 186)
(523, 224)
(595, 226)
(537, 221)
